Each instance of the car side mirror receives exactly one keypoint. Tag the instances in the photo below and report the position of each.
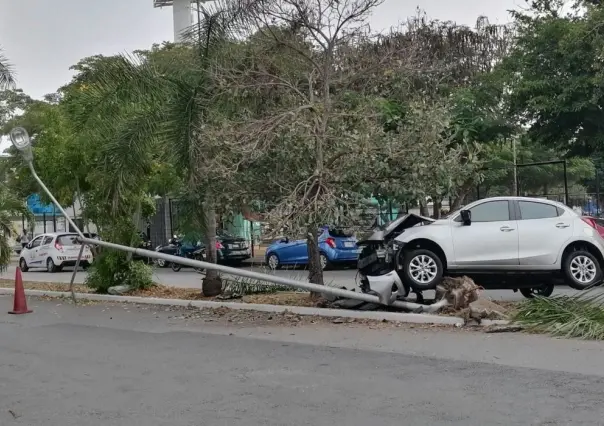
(285, 240)
(466, 217)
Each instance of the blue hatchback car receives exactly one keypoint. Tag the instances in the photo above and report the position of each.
(335, 246)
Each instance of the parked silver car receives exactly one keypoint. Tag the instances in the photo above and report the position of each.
(504, 234)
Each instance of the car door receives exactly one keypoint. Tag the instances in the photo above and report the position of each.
(33, 251)
(543, 230)
(491, 240)
(44, 249)
(292, 251)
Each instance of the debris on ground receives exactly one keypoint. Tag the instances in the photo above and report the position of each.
(286, 298)
(487, 309)
(504, 329)
(119, 290)
(459, 292)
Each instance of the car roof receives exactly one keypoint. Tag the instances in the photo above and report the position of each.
(56, 234)
(515, 198)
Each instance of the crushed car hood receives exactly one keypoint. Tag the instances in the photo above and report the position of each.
(396, 227)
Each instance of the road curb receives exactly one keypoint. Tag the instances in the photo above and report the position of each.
(300, 310)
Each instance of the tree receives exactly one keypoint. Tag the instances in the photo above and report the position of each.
(305, 127)
(10, 207)
(554, 76)
(7, 79)
(452, 66)
(165, 102)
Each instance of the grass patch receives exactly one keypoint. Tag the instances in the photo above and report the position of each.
(578, 316)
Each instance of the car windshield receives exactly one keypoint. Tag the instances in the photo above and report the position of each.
(67, 240)
(224, 234)
(340, 233)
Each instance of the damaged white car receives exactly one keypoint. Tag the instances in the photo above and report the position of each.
(523, 244)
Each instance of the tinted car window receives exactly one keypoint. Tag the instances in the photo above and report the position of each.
(68, 240)
(47, 240)
(530, 210)
(492, 211)
(36, 242)
(340, 233)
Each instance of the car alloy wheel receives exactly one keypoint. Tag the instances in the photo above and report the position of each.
(583, 269)
(273, 262)
(161, 263)
(423, 269)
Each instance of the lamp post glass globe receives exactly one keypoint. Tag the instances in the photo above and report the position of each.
(19, 138)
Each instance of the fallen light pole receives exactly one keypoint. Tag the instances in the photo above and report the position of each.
(20, 139)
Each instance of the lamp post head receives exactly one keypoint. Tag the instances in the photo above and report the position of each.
(20, 139)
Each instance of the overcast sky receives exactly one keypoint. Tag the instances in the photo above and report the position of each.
(43, 38)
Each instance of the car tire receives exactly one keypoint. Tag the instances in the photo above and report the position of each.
(576, 277)
(161, 263)
(23, 265)
(426, 278)
(545, 290)
(273, 262)
(324, 260)
(50, 265)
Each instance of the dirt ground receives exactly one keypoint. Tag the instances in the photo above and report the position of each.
(165, 292)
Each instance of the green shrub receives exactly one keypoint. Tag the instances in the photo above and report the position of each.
(112, 268)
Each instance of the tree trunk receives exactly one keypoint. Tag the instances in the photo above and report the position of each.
(136, 218)
(212, 283)
(436, 204)
(315, 271)
(460, 199)
(423, 208)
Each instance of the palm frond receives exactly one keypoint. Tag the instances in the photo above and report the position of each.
(184, 116)
(223, 20)
(7, 76)
(579, 316)
(123, 80)
(10, 207)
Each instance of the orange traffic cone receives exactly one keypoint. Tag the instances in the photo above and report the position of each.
(20, 305)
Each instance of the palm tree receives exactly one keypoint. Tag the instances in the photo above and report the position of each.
(173, 101)
(10, 207)
(7, 79)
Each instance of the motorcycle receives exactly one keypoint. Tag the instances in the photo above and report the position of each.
(378, 261)
(196, 252)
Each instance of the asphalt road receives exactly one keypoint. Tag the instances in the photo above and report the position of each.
(188, 278)
(126, 366)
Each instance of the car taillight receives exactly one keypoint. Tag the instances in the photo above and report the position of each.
(58, 246)
(331, 242)
(589, 221)
(219, 245)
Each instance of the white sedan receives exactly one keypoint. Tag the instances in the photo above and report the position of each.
(53, 251)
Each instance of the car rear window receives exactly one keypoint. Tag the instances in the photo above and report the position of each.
(340, 233)
(67, 240)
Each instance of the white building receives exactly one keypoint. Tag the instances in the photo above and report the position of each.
(181, 14)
